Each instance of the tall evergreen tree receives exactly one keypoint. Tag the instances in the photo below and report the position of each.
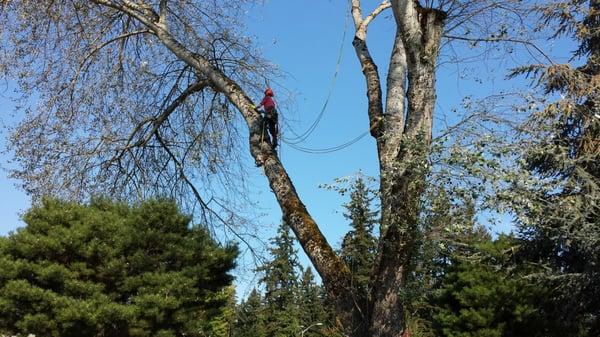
(559, 215)
(447, 230)
(359, 245)
(108, 269)
(223, 325)
(250, 318)
(479, 298)
(312, 309)
(282, 314)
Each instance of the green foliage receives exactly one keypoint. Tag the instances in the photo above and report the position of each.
(446, 225)
(547, 174)
(108, 269)
(250, 320)
(281, 286)
(359, 245)
(312, 309)
(559, 217)
(292, 300)
(480, 298)
(222, 325)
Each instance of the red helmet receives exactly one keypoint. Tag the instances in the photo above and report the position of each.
(269, 92)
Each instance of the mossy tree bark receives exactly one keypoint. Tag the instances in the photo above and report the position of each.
(403, 134)
(108, 70)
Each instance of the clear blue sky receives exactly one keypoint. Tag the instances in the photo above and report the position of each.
(303, 38)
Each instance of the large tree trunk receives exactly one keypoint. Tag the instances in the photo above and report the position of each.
(335, 274)
(403, 140)
(402, 133)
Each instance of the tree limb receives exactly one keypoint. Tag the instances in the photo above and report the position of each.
(369, 69)
(132, 9)
(204, 204)
(367, 20)
(160, 119)
(503, 39)
(407, 19)
(162, 13)
(395, 102)
(334, 272)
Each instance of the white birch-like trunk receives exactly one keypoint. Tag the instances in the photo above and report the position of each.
(402, 132)
(403, 145)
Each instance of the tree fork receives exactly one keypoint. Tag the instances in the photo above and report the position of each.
(403, 178)
(334, 272)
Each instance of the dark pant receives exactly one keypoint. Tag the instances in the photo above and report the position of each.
(271, 123)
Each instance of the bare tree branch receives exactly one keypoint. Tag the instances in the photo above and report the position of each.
(163, 13)
(378, 10)
(504, 39)
(158, 121)
(369, 69)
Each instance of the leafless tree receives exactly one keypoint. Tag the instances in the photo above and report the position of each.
(146, 97)
(110, 90)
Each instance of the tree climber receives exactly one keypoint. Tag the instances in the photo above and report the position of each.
(270, 115)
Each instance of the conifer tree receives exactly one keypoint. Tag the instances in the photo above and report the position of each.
(559, 213)
(446, 232)
(250, 318)
(479, 297)
(281, 286)
(359, 244)
(312, 309)
(223, 325)
(108, 269)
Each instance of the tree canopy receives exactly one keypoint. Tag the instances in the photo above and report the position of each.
(480, 297)
(152, 97)
(109, 269)
(559, 215)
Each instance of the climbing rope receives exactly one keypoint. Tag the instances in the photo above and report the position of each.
(329, 149)
(299, 138)
(337, 147)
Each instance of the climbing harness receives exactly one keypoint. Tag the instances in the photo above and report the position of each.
(294, 142)
(270, 118)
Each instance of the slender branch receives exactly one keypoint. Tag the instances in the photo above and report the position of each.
(356, 14)
(198, 86)
(204, 204)
(503, 39)
(97, 49)
(361, 24)
(382, 6)
(132, 9)
(162, 13)
(369, 68)
(117, 38)
(160, 119)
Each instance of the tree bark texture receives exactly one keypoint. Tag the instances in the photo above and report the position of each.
(403, 145)
(402, 132)
(335, 274)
